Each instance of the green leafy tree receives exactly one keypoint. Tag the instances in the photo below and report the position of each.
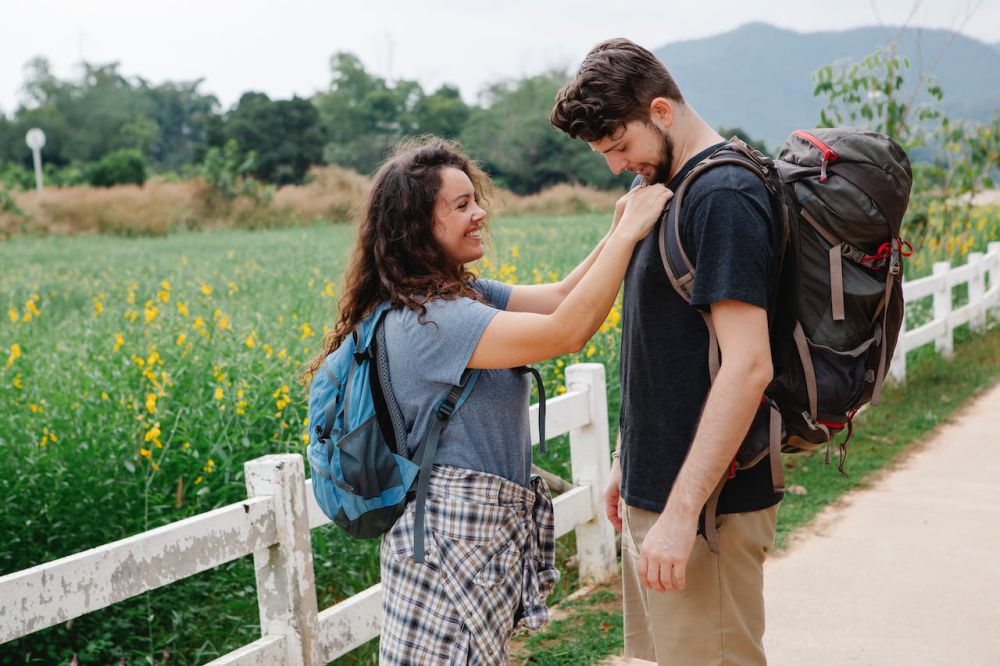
(442, 113)
(285, 135)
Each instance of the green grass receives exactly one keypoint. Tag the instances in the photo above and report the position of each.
(596, 632)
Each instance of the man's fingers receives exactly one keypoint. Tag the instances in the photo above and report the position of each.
(678, 575)
(611, 509)
(653, 576)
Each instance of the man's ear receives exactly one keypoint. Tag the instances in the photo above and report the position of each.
(661, 112)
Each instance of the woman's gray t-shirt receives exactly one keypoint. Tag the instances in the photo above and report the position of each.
(489, 433)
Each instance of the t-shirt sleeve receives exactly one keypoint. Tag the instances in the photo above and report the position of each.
(727, 234)
(444, 344)
(497, 293)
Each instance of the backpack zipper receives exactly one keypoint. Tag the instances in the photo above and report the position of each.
(829, 154)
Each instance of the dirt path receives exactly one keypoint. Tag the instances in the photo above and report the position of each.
(906, 572)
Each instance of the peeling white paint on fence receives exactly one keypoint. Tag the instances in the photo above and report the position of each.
(51, 593)
(274, 525)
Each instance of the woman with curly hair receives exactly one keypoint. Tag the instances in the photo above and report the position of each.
(486, 563)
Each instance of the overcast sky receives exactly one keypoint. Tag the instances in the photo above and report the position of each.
(283, 47)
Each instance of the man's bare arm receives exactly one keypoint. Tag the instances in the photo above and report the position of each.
(732, 402)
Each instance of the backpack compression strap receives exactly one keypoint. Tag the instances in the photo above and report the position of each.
(425, 454)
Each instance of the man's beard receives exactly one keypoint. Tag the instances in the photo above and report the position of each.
(661, 173)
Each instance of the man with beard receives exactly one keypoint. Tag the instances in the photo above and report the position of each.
(684, 604)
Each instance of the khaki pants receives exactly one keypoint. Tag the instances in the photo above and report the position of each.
(719, 617)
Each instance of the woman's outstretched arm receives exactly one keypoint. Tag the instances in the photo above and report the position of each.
(517, 338)
(545, 298)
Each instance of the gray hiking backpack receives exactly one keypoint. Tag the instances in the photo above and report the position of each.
(840, 195)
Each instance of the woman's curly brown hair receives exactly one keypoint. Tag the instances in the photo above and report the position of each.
(614, 86)
(396, 257)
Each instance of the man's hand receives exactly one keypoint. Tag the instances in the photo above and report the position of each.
(613, 494)
(665, 552)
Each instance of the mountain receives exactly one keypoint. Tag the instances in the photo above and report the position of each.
(758, 76)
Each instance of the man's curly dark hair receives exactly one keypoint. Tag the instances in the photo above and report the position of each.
(615, 84)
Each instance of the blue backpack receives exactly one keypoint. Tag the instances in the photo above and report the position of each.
(362, 473)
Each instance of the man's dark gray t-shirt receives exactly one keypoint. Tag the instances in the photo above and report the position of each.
(729, 232)
(490, 432)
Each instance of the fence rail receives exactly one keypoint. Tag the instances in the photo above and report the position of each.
(274, 524)
(939, 285)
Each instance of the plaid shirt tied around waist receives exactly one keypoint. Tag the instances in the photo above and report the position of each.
(489, 565)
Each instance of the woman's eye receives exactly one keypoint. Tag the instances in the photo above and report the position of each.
(463, 206)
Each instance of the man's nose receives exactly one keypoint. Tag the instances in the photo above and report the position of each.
(616, 164)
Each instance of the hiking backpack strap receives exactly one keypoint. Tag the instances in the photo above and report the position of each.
(425, 453)
(681, 272)
(541, 403)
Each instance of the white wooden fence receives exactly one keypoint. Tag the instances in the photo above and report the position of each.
(940, 330)
(274, 524)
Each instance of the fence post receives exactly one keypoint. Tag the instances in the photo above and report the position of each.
(286, 590)
(897, 367)
(944, 343)
(590, 458)
(993, 253)
(977, 287)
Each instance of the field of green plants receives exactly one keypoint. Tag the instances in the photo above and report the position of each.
(138, 375)
(136, 378)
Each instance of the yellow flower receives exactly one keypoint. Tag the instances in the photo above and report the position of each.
(515, 251)
(186, 445)
(164, 296)
(218, 393)
(150, 311)
(151, 407)
(206, 289)
(145, 453)
(198, 480)
(12, 313)
(591, 350)
(15, 353)
(165, 285)
(156, 468)
(98, 307)
(104, 395)
(17, 381)
(307, 331)
(250, 342)
(328, 290)
(30, 304)
(183, 309)
(181, 338)
(224, 323)
(139, 361)
(34, 408)
(153, 432)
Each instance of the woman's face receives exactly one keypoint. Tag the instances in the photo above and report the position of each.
(458, 219)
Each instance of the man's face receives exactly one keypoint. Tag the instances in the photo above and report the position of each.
(642, 148)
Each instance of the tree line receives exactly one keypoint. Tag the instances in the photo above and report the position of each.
(104, 127)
